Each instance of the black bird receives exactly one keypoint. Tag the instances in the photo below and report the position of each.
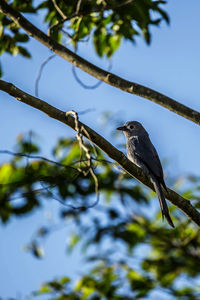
(141, 151)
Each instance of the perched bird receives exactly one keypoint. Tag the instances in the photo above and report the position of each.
(141, 151)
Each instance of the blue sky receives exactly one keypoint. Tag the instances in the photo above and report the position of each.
(170, 65)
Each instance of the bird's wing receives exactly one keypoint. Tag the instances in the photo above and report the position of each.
(146, 152)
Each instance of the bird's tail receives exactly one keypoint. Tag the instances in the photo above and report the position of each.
(163, 203)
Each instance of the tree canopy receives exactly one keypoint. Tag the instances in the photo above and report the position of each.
(129, 254)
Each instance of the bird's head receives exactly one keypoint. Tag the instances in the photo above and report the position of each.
(132, 128)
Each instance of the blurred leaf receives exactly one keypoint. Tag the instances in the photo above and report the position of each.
(24, 52)
(128, 254)
(74, 239)
(44, 289)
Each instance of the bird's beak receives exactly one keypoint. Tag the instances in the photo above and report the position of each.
(123, 128)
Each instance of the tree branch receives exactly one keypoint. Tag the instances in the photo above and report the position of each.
(102, 143)
(107, 77)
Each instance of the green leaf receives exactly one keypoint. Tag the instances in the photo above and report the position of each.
(19, 37)
(113, 43)
(74, 239)
(45, 288)
(99, 39)
(24, 52)
(65, 280)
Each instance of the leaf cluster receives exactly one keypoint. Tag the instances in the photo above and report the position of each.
(24, 182)
(128, 255)
(107, 22)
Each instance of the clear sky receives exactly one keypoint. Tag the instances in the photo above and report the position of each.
(170, 65)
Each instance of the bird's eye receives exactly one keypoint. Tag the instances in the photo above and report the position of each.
(131, 127)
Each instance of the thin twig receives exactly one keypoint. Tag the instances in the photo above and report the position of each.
(36, 157)
(78, 6)
(42, 68)
(79, 13)
(123, 4)
(89, 139)
(40, 73)
(40, 190)
(27, 194)
(58, 9)
(80, 207)
(54, 26)
(86, 86)
(86, 111)
(79, 129)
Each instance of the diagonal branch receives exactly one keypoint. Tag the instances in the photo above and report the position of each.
(107, 77)
(102, 143)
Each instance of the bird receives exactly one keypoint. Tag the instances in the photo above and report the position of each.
(142, 152)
